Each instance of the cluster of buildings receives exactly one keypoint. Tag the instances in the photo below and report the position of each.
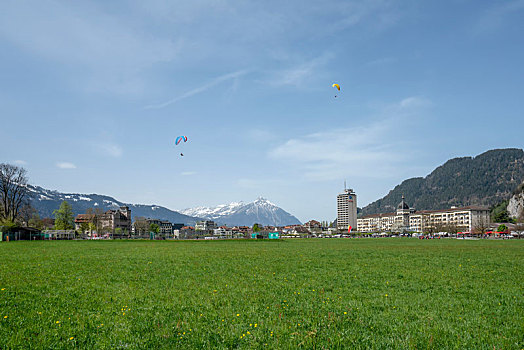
(406, 219)
(210, 230)
(117, 222)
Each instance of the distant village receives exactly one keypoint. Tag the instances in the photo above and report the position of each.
(20, 221)
(462, 222)
(118, 224)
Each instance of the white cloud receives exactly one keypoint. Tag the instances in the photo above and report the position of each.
(110, 49)
(20, 162)
(414, 102)
(379, 149)
(125, 51)
(258, 134)
(300, 73)
(497, 15)
(109, 149)
(65, 165)
(381, 61)
(199, 89)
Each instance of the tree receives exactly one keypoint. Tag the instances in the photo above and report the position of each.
(141, 225)
(13, 191)
(154, 228)
(84, 227)
(502, 228)
(36, 222)
(92, 228)
(49, 223)
(118, 232)
(519, 225)
(481, 226)
(64, 217)
(256, 228)
(499, 213)
(95, 219)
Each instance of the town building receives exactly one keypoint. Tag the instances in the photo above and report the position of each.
(346, 209)
(83, 219)
(313, 226)
(117, 218)
(205, 225)
(185, 232)
(108, 221)
(407, 219)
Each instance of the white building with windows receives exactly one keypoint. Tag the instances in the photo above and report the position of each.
(347, 210)
(407, 219)
(205, 225)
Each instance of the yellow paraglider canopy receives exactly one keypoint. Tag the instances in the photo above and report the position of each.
(337, 86)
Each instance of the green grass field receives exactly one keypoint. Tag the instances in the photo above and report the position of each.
(338, 293)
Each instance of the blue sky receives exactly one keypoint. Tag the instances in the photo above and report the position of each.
(93, 94)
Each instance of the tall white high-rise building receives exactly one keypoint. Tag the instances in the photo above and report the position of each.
(347, 210)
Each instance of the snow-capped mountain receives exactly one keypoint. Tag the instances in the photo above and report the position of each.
(260, 211)
(46, 201)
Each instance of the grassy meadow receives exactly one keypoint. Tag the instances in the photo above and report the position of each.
(323, 294)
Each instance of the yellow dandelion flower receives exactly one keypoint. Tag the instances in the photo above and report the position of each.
(386, 295)
(71, 338)
(3, 288)
(256, 325)
(57, 322)
(345, 313)
(238, 315)
(5, 316)
(248, 332)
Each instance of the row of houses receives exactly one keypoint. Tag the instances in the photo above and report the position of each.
(209, 229)
(405, 219)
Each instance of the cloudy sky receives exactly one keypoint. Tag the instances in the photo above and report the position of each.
(93, 94)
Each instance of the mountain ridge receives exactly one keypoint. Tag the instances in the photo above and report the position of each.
(485, 179)
(260, 211)
(46, 201)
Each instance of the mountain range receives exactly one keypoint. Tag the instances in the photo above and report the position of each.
(486, 179)
(46, 201)
(260, 211)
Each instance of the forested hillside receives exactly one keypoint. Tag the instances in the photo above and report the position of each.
(486, 179)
